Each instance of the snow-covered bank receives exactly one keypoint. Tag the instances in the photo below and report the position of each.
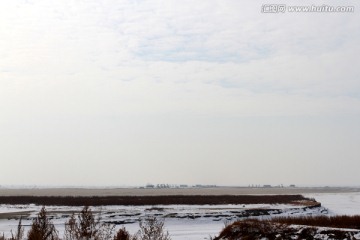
(185, 222)
(182, 221)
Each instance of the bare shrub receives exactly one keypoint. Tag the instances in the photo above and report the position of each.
(42, 228)
(106, 231)
(86, 226)
(152, 229)
(19, 234)
(71, 229)
(123, 234)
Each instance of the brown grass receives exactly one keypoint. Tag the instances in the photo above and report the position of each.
(252, 229)
(282, 228)
(154, 200)
(342, 221)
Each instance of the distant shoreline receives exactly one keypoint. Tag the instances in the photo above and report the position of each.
(88, 192)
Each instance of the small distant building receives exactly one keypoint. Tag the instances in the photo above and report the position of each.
(204, 186)
(266, 186)
(150, 186)
(292, 185)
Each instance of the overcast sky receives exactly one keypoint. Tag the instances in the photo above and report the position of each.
(207, 91)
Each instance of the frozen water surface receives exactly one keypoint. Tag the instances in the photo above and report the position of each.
(186, 222)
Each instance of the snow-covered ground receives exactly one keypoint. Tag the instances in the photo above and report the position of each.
(339, 203)
(185, 222)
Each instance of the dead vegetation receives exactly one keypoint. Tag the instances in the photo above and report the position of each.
(157, 200)
(341, 221)
(19, 234)
(42, 228)
(123, 234)
(253, 229)
(292, 228)
(152, 229)
(86, 226)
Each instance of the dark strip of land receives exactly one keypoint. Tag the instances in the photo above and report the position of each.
(102, 192)
(153, 200)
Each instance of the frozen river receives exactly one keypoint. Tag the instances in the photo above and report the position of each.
(339, 203)
(205, 221)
